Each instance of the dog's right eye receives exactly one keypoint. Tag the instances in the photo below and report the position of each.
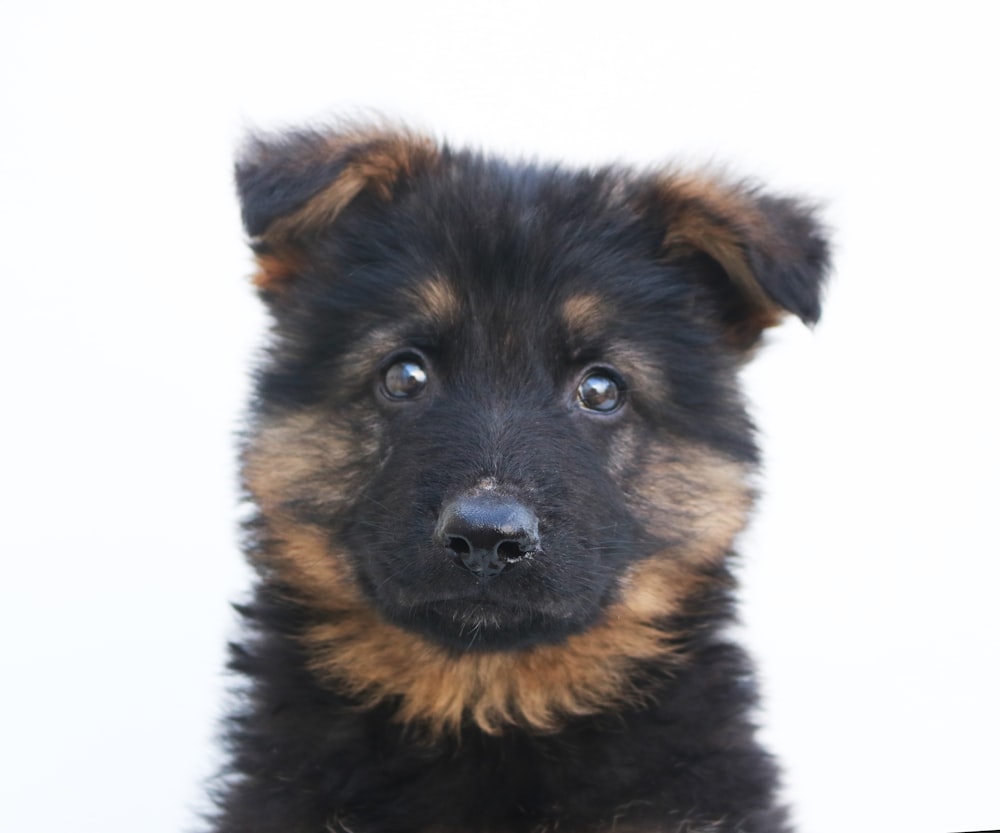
(405, 378)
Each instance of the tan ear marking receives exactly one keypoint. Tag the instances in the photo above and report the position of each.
(369, 159)
(703, 214)
(275, 269)
(376, 161)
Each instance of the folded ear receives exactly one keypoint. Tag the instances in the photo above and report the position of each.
(294, 185)
(770, 254)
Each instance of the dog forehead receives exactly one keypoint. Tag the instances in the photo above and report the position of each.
(447, 308)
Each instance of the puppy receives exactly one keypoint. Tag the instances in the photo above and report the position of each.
(499, 457)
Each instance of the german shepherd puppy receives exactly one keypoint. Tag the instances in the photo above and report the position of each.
(499, 458)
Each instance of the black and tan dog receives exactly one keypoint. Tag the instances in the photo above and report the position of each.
(499, 458)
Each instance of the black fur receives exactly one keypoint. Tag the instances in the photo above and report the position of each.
(514, 243)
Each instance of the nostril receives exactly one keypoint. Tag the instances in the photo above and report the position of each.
(510, 550)
(458, 545)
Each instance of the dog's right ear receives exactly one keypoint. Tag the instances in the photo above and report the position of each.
(292, 186)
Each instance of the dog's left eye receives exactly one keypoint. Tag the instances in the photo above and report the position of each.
(404, 379)
(600, 391)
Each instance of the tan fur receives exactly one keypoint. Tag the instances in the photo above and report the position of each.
(275, 269)
(700, 499)
(585, 316)
(436, 301)
(300, 459)
(706, 215)
(376, 159)
(696, 499)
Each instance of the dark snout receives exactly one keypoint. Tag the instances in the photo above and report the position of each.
(486, 532)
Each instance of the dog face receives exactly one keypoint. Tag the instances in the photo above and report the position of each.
(498, 432)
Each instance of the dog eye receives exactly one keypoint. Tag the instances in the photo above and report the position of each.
(600, 391)
(404, 379)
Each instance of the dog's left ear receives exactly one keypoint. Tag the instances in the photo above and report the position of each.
(767, 256)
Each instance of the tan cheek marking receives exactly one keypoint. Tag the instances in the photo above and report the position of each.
(299, 460)
(694, 497)
(288, 454)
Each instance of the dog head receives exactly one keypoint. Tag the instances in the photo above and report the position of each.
(499, 411)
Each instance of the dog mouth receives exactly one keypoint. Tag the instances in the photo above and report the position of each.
(482, 627)
(484, 621)
(472, 618)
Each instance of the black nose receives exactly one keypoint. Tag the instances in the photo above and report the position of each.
(486, 532)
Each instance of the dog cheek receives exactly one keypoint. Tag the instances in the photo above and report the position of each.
(295, 468)
(694, 499)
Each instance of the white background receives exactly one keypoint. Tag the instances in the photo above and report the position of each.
(127, 327)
